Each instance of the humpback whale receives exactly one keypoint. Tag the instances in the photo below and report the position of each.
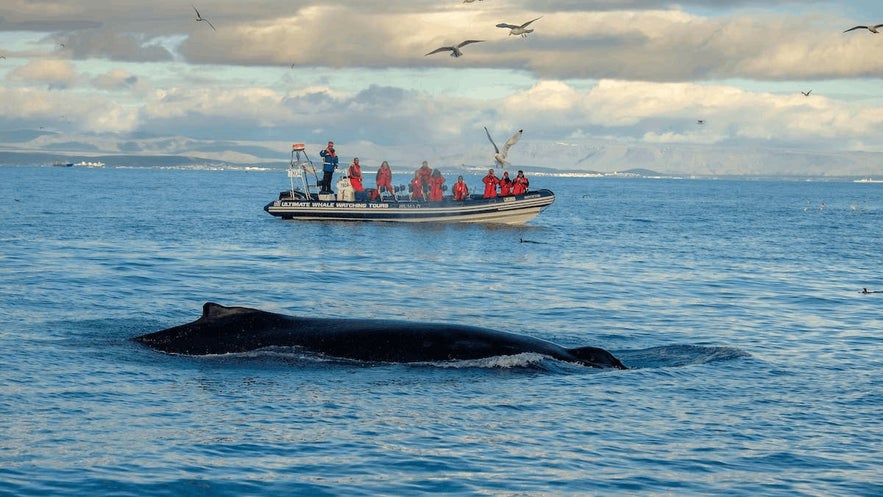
(222, 330)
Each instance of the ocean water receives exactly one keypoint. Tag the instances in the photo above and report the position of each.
(756, 360)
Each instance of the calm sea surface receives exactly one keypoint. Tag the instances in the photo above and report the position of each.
(757, 365)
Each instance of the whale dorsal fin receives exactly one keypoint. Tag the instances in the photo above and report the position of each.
(211, 310)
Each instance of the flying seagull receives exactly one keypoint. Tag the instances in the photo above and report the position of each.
(500, 155)
(872, 29)
(806, 93)
(700, 121)
(455, 51)
(518, 30)
(200, 18)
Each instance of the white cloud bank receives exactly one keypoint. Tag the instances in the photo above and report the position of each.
(638, 74)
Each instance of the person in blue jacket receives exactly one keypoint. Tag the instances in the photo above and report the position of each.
(328, 167)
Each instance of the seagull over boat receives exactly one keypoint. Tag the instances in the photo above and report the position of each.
(455, 50)
(806, 93)
(199, 18)
(518, 30)
(500, 153)
(872, 29)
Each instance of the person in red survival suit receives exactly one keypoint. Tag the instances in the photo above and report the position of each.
(424, 173)
(355, 175)
(490, 184)
(520, 183)
(461, 191)
(435, 184)
(384, 179)
(505, 185)
(417, 187)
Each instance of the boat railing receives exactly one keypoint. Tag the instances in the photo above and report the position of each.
(301, 167)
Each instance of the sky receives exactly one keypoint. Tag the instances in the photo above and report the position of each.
(696, 77)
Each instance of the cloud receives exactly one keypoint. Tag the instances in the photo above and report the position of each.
(640, 40)
(60, 111)
(636, 71)
(47, 25)
(116, 79)
(56, 74)
(651, 45)
(104, 43)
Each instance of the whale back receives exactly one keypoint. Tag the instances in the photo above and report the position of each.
(222, 330)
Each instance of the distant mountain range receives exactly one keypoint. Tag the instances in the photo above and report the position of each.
(586, 157)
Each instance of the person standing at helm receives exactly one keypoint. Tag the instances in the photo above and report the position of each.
(328, 166)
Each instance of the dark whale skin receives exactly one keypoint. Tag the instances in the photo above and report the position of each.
(223, 330)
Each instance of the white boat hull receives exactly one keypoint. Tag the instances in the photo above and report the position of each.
(516, 209)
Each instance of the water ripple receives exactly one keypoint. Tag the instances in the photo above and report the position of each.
(756, 359)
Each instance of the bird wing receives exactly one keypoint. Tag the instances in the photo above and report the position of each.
(441, 49)
(511, 141)
(508, 26)
(532, 20)
(497, 150)
(200, 18)
(857, 27)
(878, 26)
(464, 43)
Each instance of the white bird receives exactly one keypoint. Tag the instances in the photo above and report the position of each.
(455, 50)
(806, 93)
(500, 155)
(518, 30)
(199, 18)
(872, 29)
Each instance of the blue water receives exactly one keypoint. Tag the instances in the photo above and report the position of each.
(757, 365)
